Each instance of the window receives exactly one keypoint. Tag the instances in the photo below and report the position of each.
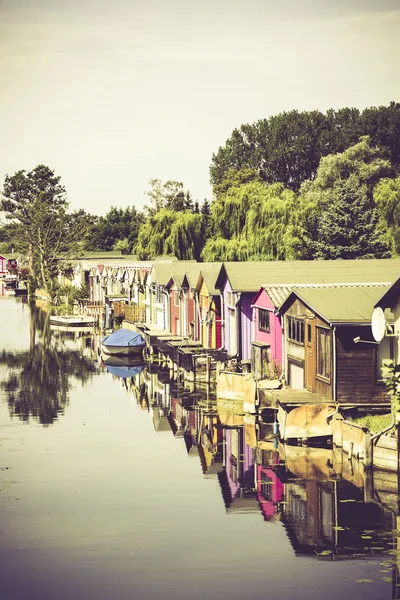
(176, 298)
(295, 330)
(231, 298)
(309, 333)
(324, 353)
(263, 319)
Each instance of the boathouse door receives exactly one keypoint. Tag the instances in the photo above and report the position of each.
(311, 355)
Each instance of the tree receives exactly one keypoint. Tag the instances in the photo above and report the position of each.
(338, 206)
(251, 222)
(171, 233)
(288, 147)
(220, 249)
(170, 195)
(387, 200)
(235, 178)
(118, 227)
(36, 203)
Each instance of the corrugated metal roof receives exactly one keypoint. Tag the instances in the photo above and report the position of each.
(247, 276)
(341, 304)
(210, 273)
(89, 264)
(279, 293)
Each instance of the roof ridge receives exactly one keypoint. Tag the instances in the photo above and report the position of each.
(325, 285)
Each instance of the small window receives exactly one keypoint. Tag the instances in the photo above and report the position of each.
(176, 298)
(263, 319)
(309, 333)
(295, 330)
(324, 353)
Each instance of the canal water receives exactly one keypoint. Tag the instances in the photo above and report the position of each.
(129, 487)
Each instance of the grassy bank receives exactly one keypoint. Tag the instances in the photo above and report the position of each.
(373, 422)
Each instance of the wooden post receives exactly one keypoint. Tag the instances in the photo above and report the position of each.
(368, 451)
(337, 430)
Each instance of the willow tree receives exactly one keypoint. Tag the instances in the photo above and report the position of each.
(44, 231)
(270, 215)
(251, 222)
(221, 249)
(171, 233)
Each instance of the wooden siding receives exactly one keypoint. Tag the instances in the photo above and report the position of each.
(134, 314)
(296, 352)
(356, 369)
(323, 387)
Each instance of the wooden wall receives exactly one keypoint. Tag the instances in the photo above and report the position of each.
(356, 368)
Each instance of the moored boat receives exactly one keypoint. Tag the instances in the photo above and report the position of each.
(72, 320)
(123, 342)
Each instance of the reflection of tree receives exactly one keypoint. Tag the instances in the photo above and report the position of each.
(40, 378)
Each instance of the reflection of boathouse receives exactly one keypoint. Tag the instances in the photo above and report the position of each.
(237, 479)
(332, 516)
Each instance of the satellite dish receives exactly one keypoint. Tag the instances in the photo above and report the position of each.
(378, 324)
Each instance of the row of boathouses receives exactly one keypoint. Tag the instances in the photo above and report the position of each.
(304, 324)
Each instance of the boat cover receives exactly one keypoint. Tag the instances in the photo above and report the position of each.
(125, 338)
(125, 372)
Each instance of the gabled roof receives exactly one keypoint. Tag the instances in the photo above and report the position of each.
(249, 276)
(338, 304)
(185, 279)
(390, 297)
(209, 273)
(162, 272)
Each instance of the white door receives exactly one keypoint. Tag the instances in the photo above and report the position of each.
(296, 377)
(232, 332)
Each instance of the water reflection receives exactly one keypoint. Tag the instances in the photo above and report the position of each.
(39, 379)
(320, 522)
(331, 508)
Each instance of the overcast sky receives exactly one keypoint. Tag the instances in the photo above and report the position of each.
(112, 94)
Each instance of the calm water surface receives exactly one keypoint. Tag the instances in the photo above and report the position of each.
(114, 488)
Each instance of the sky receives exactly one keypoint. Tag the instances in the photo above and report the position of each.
(112, 94)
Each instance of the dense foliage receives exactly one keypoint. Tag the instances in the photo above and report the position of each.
(287, 148)
(42, 228)
(298, 185)
(117, 230)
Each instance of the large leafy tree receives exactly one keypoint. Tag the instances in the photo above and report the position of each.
(387, 201)
(170, 195)
(340, 218)
(117, 230)
(288, 147)
(43, 229)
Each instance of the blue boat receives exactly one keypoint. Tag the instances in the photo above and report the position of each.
(123, 342)
(125, 371)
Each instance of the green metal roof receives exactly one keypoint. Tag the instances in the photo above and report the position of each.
(250, 276)
(390, 297)
(162, 272)
(339, 304)
(210, 273)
